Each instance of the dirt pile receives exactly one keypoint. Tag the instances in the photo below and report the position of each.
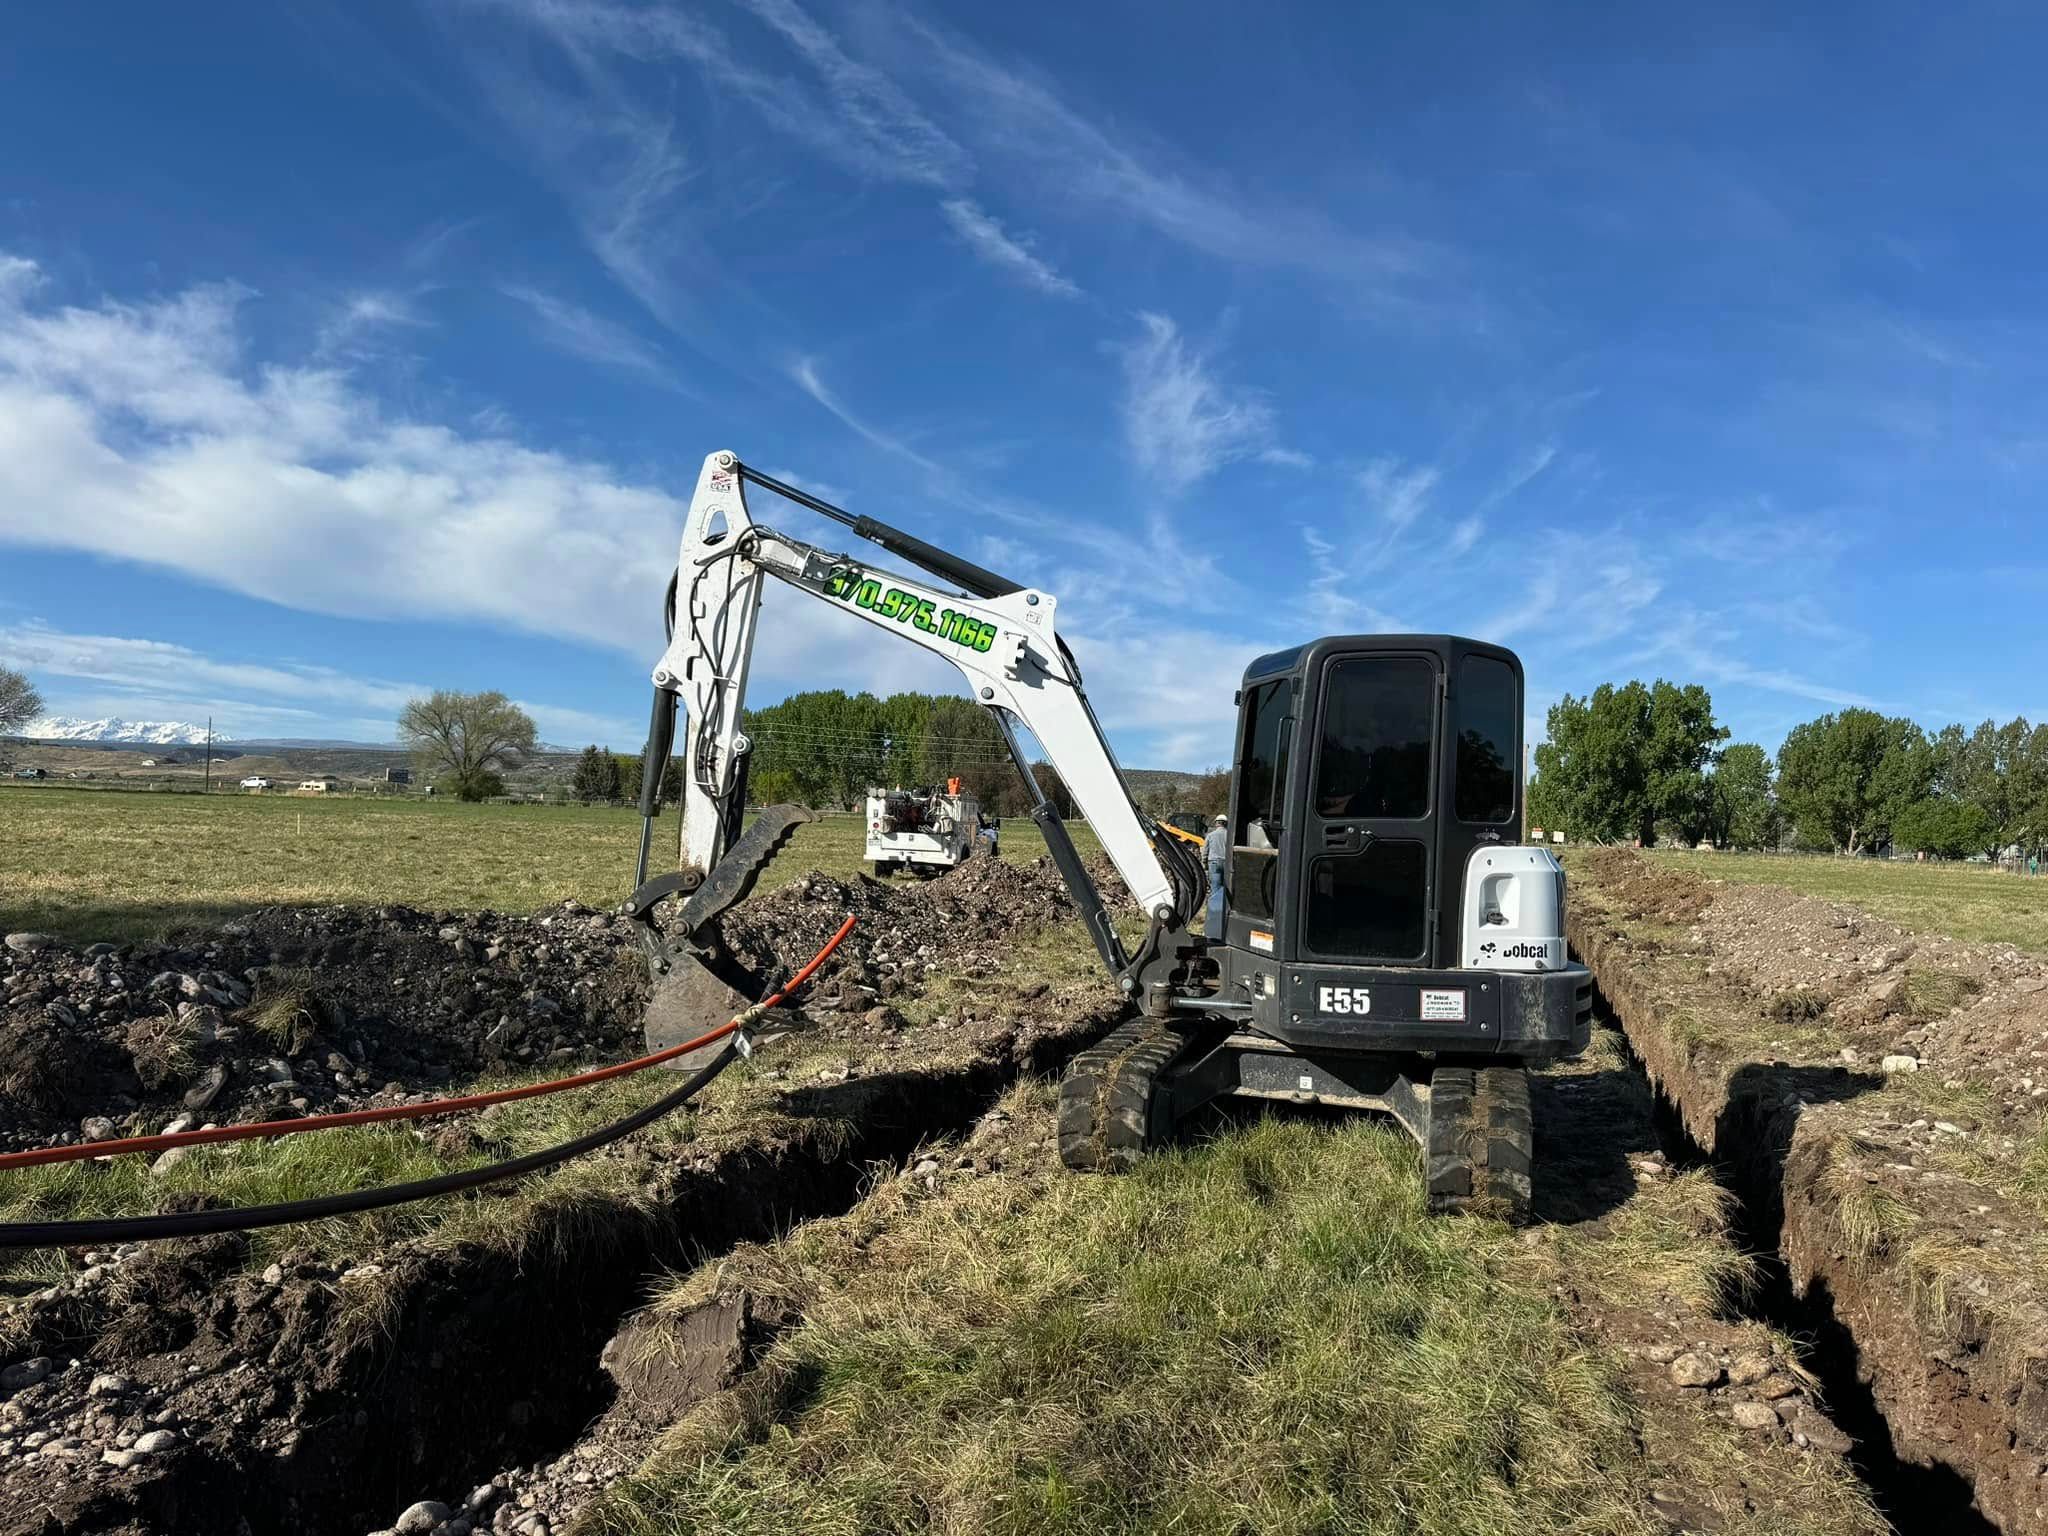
(292, 1011)
(296, 1011)
(1887, 999)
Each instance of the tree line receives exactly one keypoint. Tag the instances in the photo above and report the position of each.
(1639, 762)
(826, 748)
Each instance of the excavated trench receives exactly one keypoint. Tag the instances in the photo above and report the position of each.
(326, 1395)
(1912, 1496)
(485, 1364)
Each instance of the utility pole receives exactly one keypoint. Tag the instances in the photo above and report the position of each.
(209, 755)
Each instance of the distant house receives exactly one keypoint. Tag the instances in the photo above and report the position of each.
(326, 784)
(397, 775)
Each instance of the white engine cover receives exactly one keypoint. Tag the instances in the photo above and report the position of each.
(1513, 911)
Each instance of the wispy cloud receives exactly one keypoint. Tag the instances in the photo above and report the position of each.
(577, 331)
(161, 669)
(1706, 647)
(889, 132)
(1017, 118)
(1538, 460)
(805, 372)
(1181, 423)
(1286, 458)
(986, 236)
(1397, 496)
(358, 318)
(1334, 590)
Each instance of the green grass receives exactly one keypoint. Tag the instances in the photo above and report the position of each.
(1963, 901)
(1265, 1333)
(127, 866)
(362, 1157)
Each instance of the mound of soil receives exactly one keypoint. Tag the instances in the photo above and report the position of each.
(308, 1010)
(1972, 1011)
(298, 1010)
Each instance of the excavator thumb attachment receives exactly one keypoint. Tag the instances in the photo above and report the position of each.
(698, 985)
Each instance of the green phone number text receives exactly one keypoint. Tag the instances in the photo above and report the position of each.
(908, 608)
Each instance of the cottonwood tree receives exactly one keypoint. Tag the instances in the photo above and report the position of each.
(1946, 828)
(462, 740)
(19, 701)
(1625, 761)
(1845, 778)
(1745, 812)
(2002, 770)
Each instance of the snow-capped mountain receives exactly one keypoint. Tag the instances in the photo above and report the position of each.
(153, 733)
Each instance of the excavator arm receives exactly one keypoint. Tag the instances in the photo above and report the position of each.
(1002, 637)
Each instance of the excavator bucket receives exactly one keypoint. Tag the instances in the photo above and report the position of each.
(697, 984)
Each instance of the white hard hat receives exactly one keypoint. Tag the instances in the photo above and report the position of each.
(1222, 820)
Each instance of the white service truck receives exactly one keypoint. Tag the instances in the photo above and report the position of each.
(925, 830)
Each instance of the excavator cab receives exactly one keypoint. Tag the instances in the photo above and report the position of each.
(1374, 827)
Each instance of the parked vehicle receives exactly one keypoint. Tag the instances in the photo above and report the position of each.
(256, 781)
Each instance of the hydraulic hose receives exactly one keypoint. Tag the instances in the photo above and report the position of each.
(124, 1229)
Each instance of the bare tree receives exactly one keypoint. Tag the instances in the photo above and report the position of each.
(462, 740)
(19, 701)
(19, 704)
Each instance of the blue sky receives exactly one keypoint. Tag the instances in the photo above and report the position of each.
(350, 351)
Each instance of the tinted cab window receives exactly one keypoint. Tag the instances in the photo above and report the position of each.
(1378, 717)
(1261, 799)
(1488, 704)
(1368, 883)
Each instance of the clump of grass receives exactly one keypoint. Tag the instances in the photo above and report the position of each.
(1264, 1334)
(1932, 993)
(1874, 1222)
(287, 1010)
(162, 1047)
(1652, 1246)
(1798, 1006)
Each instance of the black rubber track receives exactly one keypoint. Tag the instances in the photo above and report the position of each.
(1480, 1151)
(1105, 1122)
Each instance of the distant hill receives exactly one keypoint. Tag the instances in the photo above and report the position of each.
(149, 733)
(1143, 780)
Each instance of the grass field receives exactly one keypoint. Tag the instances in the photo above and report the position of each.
(1964, 901)
(122, 866)
(1260, 1332)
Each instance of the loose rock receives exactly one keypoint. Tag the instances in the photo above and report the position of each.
(1820, 1431)
(1693, 1369)
(1755, 1416)
(421, 1518)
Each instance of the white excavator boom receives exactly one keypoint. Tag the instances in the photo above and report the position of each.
(1005, 643)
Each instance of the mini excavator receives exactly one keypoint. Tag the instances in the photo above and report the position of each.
(1387, 942)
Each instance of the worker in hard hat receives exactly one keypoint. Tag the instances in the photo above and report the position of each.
(1216, 849)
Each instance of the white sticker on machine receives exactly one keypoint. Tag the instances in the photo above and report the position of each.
(1264, 940)
(1447, 1004)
